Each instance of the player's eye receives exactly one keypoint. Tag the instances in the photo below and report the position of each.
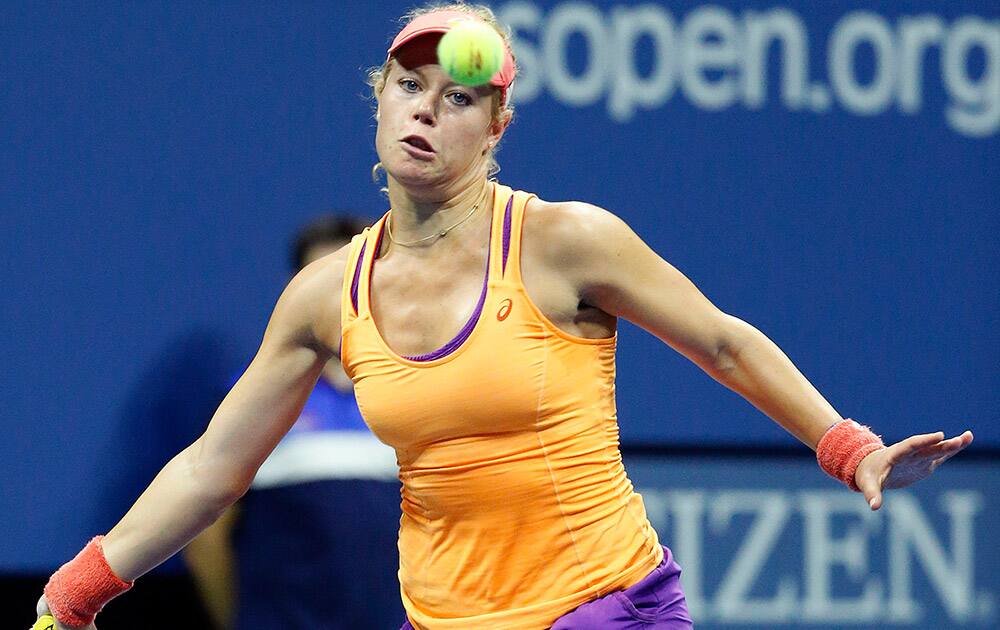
(460, 98)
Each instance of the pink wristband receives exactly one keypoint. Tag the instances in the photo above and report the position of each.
(842, 448)
(81, 587)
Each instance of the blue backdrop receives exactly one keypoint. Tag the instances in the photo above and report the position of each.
(825, 171)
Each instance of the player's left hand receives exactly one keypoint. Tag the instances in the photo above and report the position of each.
(905, 462)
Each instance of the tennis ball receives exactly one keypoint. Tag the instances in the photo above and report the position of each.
(471, 52)
(45, 622)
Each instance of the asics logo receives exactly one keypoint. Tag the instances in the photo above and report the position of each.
(504, 310)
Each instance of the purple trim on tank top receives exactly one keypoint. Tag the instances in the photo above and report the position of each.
(378, 247)
(463, 334)
(357, 277)
(506, 232)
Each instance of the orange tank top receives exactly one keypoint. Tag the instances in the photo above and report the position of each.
(515, 504)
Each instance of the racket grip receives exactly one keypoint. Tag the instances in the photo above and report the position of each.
(45, 622)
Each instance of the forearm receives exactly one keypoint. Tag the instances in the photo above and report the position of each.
(185, 497)
(754, 367)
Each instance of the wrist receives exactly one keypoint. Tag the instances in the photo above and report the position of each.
(865, 461)
(81, 587)
(843, 447)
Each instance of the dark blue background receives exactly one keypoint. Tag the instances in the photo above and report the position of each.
(158, 156)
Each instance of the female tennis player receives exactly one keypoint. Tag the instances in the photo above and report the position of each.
(478, 325)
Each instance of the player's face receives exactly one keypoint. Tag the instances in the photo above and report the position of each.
(431, 130)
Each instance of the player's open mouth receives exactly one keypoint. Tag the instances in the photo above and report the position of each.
(418, 142)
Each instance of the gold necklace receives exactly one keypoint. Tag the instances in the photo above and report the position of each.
(388, 229)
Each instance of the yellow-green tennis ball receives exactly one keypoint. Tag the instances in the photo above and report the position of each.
(471, 52)
(45, 622)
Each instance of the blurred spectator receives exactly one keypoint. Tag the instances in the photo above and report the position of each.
(313, 543)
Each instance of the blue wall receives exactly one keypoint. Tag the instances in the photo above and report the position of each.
(841, 195)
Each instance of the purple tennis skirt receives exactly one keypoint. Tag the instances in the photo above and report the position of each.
(654, 602)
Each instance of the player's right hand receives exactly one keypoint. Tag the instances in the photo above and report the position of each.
(42, 608)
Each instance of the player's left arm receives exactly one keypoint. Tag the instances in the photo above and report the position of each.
(615, 271)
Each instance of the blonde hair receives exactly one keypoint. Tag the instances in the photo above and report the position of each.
(501, 113)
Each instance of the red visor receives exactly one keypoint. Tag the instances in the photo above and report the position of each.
(441, 22)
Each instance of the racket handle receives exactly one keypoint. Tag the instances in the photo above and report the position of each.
(45, 622)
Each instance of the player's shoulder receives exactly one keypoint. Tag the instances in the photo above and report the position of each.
(318, 277)
(565, 227)
(312, 298)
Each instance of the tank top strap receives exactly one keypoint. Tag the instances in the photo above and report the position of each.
(511, 220)
(363, 267)
(502, 198)
(349, 289)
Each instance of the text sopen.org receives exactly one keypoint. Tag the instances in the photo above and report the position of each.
(718, 58)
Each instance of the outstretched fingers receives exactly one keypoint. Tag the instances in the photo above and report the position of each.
(949, 448)
(906, 462)
(935, 449)
(918, 442)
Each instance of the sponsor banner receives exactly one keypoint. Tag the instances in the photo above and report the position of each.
(819, 58)
(774, 543)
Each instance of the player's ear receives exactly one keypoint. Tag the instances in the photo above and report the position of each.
(499, 127)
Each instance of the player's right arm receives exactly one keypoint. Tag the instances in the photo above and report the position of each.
(204, 479)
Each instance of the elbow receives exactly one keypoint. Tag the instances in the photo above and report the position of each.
(735, 335)
(220, 482)
(220, 488)
(232, 490)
